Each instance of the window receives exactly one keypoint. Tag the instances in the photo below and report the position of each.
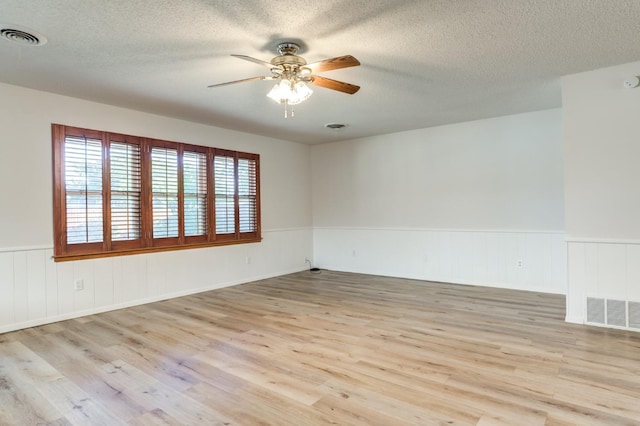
(124, 190)
(83, 190)
(115, 194)
(194, 166)
(164, 192)
(225, 194)
(247, 194)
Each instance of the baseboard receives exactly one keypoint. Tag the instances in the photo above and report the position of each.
(574, 319)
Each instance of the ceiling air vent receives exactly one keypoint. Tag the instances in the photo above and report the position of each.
(335, 126)
(21, 35)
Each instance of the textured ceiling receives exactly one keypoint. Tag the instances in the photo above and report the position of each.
(424, 63)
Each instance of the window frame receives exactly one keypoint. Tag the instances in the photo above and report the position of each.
(146, 243)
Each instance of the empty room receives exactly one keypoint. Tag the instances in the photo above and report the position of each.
(309, 213)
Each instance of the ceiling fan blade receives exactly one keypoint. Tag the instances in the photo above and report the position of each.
(257, 61)
(334, 85)
(264, 77)
(334, 64)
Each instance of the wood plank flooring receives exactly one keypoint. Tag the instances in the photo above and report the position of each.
(328, 348)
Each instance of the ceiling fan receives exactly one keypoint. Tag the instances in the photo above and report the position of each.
(294, 73)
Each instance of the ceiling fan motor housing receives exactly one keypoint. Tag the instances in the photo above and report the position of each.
(287, 48)
(289, 65)
(287, 52)
(291, 60)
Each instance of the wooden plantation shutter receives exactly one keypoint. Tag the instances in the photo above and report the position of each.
(78, 200)
(164, 193)
(194, 171)
(83, 189)
(248, 194)
(115, 194)
(125, 192)
(236, 195)
(225, 190)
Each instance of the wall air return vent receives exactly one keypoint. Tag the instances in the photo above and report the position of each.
(623, 314)
(634, 315)
(617, 313)
(595, 310)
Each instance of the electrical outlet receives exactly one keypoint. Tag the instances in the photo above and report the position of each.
(520, 263)
(353, 253)
(78, 285)
(306, 260)
(247, 260)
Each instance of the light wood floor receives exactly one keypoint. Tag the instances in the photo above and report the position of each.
(328, 348)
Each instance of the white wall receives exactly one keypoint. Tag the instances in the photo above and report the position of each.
(459, 203)
(602, 191)
(34, 289)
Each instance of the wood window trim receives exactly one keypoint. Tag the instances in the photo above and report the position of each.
(64, 251)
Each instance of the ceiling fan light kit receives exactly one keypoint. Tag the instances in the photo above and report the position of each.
(293, 74)
(289, 92)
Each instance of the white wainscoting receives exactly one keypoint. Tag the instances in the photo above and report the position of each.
(35, 290)
(488, 258)
(603, 269)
